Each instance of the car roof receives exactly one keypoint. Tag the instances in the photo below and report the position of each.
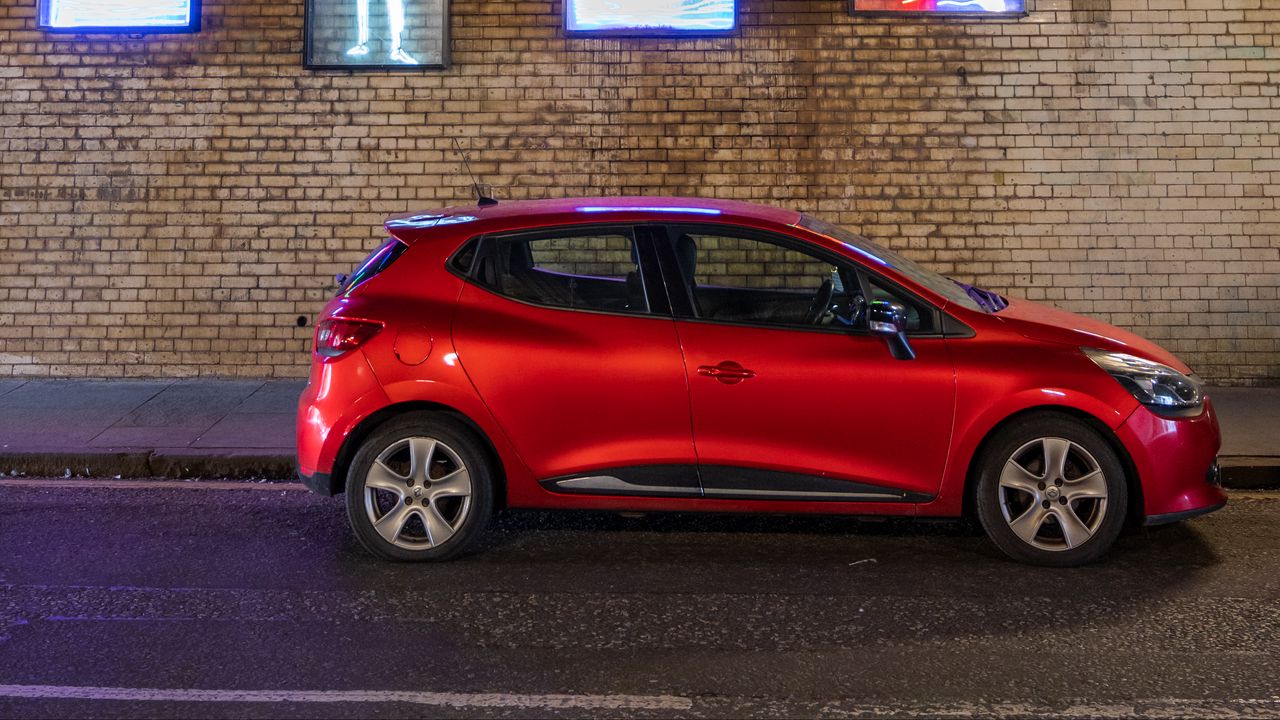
(514, 214)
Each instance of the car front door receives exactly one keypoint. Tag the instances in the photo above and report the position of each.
(567, 336)
(791, 397)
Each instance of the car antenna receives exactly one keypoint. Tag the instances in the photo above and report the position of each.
(483, 199)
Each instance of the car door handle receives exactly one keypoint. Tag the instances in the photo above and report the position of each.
(727, 372)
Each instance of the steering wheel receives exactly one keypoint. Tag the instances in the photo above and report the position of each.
(821, 303)
(857, 311)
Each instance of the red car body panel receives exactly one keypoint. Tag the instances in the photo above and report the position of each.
(338, 396)
(560, 392)
(1041, 322)
(616, 384)
(821, 404)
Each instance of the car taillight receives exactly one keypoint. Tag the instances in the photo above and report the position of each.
(336, 337)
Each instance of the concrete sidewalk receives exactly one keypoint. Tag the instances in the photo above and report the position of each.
(244, 428)
(1250, 420)
(146, 428)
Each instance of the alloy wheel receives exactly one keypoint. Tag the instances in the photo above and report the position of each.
(1053, 494)
(417, 493)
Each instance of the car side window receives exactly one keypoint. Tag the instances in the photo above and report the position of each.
(745, 279)
(592, 270)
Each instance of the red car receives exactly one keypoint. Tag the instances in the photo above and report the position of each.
(668, 354)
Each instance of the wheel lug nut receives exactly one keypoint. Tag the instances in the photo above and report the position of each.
(1062, 500)
(1041, 486)
(1047, 503)
(1058, 482)
(408, 501)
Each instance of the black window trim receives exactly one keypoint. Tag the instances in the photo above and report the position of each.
(651, 281)
(354, 280)
(682, 305)
(451, 263)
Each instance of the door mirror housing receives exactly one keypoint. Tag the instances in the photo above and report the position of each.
(889, 321)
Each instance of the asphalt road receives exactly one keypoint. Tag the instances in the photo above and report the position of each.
(253, 602)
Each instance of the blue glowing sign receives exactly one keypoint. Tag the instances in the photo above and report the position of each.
(120, 16)
(651, 17)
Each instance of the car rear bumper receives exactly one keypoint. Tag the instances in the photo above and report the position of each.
(340, 394)
(1176, 461)
(319, 483)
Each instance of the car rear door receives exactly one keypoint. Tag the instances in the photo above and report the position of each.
(789, 407)
(567, 335)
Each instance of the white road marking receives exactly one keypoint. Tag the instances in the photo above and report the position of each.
(441, 699)
(92, 484)
(1156, 709)
(1161, 709)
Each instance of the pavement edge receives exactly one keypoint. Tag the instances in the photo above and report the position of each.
(176, 464)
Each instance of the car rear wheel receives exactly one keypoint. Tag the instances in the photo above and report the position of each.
(1051, 491)
(419, 488)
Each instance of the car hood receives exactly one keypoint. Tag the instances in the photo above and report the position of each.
(1049, 324)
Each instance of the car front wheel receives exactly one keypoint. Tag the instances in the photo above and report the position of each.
(419, 489)
(1051, 491)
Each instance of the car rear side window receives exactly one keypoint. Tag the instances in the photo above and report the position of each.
(465, 257)
(377, 261)
(591, 270)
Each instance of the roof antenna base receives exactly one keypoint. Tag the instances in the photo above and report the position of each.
(484, 193)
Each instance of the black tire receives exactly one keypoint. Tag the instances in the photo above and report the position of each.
(455, 441)
(999, 507)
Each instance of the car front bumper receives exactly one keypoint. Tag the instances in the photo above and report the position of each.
(1184, 515)
(1176, 461)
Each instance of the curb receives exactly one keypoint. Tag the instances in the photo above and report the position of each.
(182, 464)
(1238, 473)
(1250, 473)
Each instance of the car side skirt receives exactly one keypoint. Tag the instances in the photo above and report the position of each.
(724, 482)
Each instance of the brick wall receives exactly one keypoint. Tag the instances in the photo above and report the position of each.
(605, 255)
(171, 205)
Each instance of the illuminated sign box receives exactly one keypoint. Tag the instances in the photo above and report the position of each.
(120, 16)
(376, 35)
(954, 8)
(650, 17)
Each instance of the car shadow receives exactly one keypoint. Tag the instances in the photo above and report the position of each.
(948, 551)
(796, 581)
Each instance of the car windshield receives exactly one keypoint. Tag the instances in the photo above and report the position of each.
(963, 295)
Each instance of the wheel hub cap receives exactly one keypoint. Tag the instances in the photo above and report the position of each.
(419, 469)
(1053, 494)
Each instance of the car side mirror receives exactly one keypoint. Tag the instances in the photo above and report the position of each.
(889, 321)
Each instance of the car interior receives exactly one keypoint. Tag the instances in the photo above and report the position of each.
(832, 298)
(547, 271)
(522, 277)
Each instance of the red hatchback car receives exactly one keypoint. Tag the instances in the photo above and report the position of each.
(667, 354)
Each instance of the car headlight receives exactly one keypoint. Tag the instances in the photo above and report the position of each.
(1157, 386)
